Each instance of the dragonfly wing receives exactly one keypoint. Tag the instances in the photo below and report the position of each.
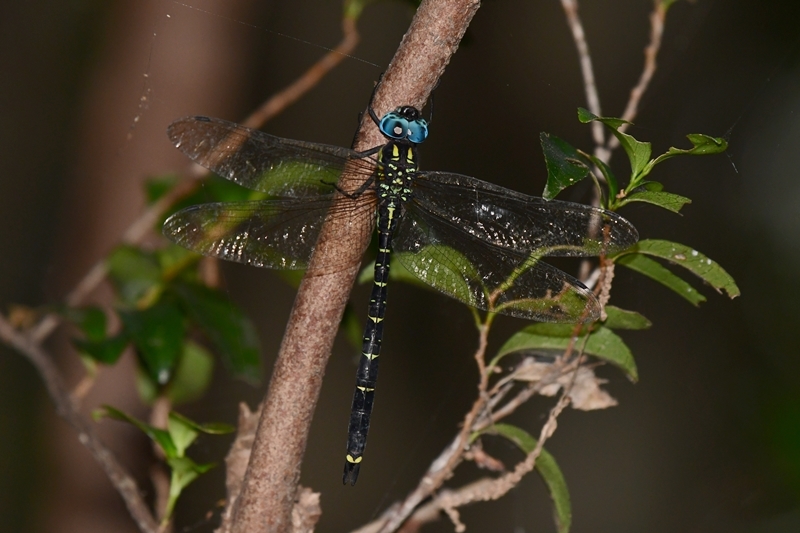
(516, 221)
(263, 162)
(487, 276)
(277, 233)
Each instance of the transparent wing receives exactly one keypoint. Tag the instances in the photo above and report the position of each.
(489, 277)
(276, 233)
(515, 221)
(263, 162)
(482, 244)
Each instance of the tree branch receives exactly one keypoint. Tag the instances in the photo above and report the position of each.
(587, 70)
(657, 18)
(603, 146)
(66, 408)
(273, 473)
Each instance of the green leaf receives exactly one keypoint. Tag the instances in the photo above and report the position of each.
(701, 145)
(173, 259)
(291, 277)
(565, 166)
(607, 345)
(90, 319)
(147, 388)
(649, 186)
(611, 179)
(397, 272)
(585, 116)
(368, 272)
(106, 351)
(353, 8)
(654, 270)
(134, 273)
(174, 441)
(571, 304)
(159, 436)
(622, 319)
(603, 344)
(157, 333)
(226, 326)
(217, 189)
(209, 428)
(638, 152)
(669, 201)
(352, 328)
(690, 259)
(96, 346)
(192, 375)
(451, 281)
(184, 471)
(182, 433)
(156, 187)
(212, 189)
(546, 466)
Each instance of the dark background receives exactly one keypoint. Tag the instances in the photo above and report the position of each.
(707, 441)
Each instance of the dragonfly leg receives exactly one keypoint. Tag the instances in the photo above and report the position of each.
(355, 194)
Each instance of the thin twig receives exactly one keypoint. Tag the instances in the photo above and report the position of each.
(500, 486)
(604, 147)
(657, 18)
(443, 466)
(524, 395)
(485, 489)
(482, 490)
(68, 410)
(587, 71)
(309, 79)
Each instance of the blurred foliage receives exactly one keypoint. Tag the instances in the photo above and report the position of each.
(173, 442)
(162, 304)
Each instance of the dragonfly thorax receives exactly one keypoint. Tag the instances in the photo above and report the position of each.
(397, 165)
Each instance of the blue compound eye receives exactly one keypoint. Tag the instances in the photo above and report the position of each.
(417, 130)
(394, 126)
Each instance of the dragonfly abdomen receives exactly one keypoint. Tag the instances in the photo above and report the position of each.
(367, 374)
(396, 168)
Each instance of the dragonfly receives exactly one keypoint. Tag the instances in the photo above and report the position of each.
(477, 242)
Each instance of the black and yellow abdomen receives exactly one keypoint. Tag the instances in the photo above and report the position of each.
(397, 164)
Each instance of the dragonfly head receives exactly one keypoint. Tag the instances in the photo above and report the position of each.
(405, 122)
